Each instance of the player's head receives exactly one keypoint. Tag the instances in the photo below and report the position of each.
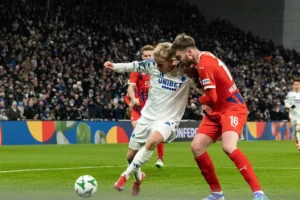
(147, 52)
(183, 48)
(164, 60)
(296, 84)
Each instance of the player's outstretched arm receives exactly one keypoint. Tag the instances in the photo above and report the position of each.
(143, 66)
(119, 67)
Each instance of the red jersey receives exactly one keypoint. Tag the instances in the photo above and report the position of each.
(142, 83)
(213, 73)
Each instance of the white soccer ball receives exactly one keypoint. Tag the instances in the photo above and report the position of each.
(86, 186)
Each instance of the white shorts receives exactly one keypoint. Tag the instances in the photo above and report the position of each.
(143, 130)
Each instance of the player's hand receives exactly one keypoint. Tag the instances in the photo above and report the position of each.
(207, 109)
(109, 65)
(136, 102)
(293, 106)
(131, 105)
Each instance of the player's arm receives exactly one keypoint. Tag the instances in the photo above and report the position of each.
(143, 66)
(208, 82)
(209, 97)
(287, 102)
(127, 100)
(133, 80)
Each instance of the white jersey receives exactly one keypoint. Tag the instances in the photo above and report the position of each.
(168, 93)
(293, 98)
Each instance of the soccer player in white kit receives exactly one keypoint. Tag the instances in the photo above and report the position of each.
(292, 102)
(167, 98)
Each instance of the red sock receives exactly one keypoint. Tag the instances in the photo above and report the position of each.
(160, 151)
(296, 141)
(207, 169)
(245, 168)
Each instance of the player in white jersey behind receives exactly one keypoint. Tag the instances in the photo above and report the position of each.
(292, 102)
(167, 98)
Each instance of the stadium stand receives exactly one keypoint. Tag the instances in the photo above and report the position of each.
(52, 55)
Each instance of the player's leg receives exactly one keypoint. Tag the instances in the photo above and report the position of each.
(132, 152)
(208, 132)
(160, 152)
(130, 156)
(138, 175)
(137, 141)
(134, 117)
(294, 124)
(297, 130)
(231, 129)
(161, 132)
(133, 123)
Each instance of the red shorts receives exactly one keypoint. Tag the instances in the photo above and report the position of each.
(233, 119)
(135, 115)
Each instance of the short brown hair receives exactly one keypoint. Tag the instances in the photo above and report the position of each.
(181, 42)
(296, 80)
(147, 48)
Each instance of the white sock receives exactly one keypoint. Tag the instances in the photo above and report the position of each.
(259, 191)
(298, 137)
(219, 193)
(139, 160)
(137, 175)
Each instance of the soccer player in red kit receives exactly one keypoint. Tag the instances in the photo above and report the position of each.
(226, 115)
(137, 95)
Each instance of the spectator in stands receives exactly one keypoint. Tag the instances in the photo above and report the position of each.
(3, 115)
(13, 113)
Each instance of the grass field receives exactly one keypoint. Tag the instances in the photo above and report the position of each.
(49, 172)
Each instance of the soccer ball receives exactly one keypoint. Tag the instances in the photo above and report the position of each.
(86, 186)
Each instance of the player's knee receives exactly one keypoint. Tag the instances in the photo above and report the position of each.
(200, 143)
(228, 149)
(197, 149)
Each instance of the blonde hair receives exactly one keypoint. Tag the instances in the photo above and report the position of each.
(161, 52)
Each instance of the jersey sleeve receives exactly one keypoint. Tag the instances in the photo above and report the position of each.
(145, 66)
(207, 78)
(133, 79)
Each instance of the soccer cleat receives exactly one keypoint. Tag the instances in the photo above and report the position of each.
(136, 187)
(260, 196)
(215, 196)
(159, 164)
(120, 184)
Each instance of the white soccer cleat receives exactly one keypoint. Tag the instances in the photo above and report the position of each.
(159, 164)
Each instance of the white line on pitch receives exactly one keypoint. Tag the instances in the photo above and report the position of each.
(57, 169)
(274, 168)
(112, 166)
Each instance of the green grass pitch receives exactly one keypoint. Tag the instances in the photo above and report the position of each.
(277, 164)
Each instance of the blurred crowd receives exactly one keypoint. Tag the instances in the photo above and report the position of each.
(52, 54)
